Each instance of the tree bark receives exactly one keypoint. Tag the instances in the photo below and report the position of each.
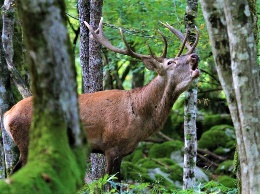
(7, 39)
(8, 153)
(84, 14)
(56, 160)
(190, 109)
(246, 79)
(92, 67)
(234, 49)
(95, 80)
(4, 106)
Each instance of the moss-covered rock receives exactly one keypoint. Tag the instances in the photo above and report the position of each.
(174, 124)
(219, 139)
(216, 187)
(165, 149)
(134, 172)
(228, 181)
(139, 153)
(152, 163)
(226, 167)
(211, 120)
(147, 163)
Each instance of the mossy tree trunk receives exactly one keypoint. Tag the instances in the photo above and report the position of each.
(190, 109)
(233, 41)
(5, 104)
(18, 88)
(56, 161)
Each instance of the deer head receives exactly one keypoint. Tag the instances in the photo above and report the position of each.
(182, 69)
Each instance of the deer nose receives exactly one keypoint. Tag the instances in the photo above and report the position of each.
(194, 58)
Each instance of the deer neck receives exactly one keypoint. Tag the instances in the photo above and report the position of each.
(153, 103)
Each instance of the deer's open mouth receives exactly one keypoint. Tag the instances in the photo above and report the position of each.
(194, 66)
(194, 62)
(194, 59)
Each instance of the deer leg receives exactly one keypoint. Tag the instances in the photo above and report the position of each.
(113, 161)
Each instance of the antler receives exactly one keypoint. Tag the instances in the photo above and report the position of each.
(183, 39)
(100, 37)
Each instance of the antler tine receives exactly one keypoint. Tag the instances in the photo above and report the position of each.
(100, 37)
(177, 33)
(196, 41)
(128, 48)
(183, 44)
(182, 38)
(100, 27)
(151, 52)
(165, 45)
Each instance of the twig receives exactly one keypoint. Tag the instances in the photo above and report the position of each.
(203, 151)
(207, 160)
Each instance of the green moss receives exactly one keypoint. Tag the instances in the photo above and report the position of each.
(167, 161)
(220, 138)
(170, 167)
(216, 187)
(176, 173)
(174, 124)
(226, 167)
(228, 181)
(147, 163)
(134, 172)
(138, 153)
(215, 119)
(49, 156)
(163, 181)
(165, 149)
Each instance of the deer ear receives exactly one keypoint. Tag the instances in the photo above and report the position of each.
(152, 64)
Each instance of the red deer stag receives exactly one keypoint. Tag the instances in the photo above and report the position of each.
(117, 120)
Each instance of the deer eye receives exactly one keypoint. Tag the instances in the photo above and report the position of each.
(171, 62)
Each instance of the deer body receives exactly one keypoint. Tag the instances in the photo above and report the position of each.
(117, 120)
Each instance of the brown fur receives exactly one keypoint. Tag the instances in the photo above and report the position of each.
(117, 120)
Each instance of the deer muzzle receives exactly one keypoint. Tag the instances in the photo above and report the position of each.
(194, 62)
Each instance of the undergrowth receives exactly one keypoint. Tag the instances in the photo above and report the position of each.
(98, 187)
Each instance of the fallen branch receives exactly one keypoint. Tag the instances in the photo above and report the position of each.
(207, 152)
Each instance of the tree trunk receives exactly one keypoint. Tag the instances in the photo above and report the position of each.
(91, 63)
(4, 106)
(95, 80)
(246, 79)
(190, 110)
(7, 39)
(234, 49)
(8, 154)
(56, 159)
(84, 14)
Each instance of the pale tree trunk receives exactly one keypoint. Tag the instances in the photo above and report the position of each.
(190, 109)
(246, 79)
(7, 39)
(234, 49)
(4, 102)
(8, 151)
(57, 150)
(4, 105)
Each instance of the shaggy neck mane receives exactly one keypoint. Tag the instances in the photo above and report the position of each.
(153, 103)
